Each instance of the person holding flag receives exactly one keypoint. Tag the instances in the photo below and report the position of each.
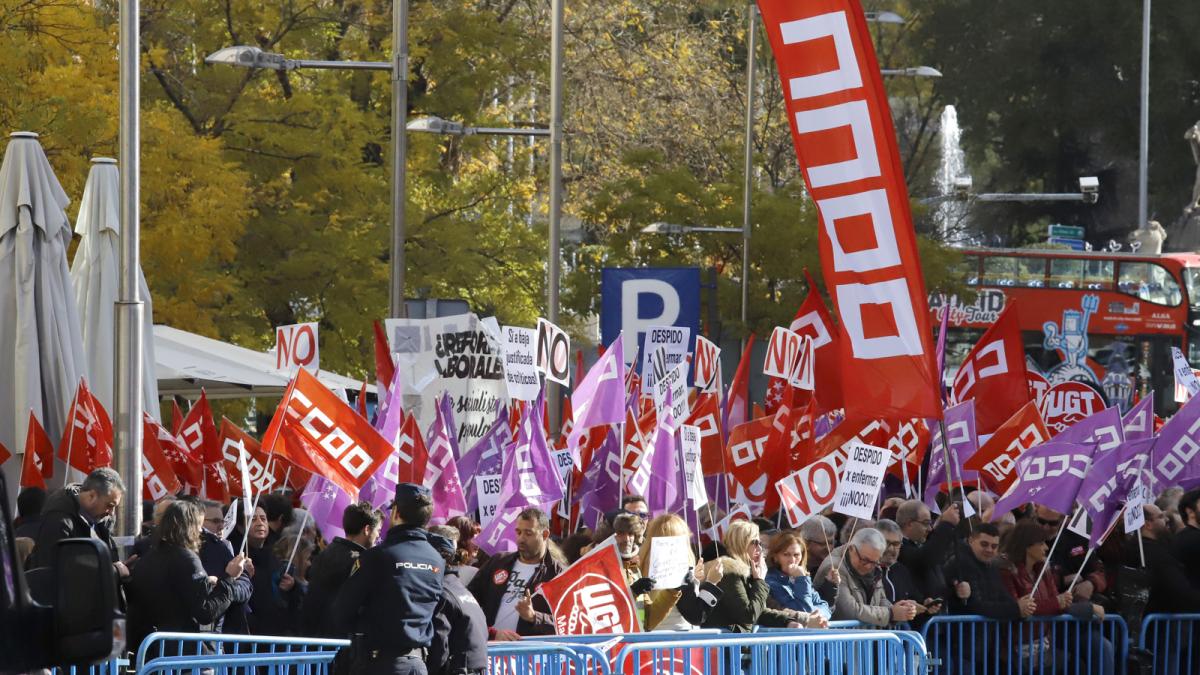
(1170, 589)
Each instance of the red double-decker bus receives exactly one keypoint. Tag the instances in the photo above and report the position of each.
(1106, 319)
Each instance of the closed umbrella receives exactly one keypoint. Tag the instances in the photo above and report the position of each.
(41, 349)
(94, 278)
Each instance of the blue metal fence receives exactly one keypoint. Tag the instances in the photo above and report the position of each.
(1167, 642)
(190, 652)
(1058, 645)
(110, 667)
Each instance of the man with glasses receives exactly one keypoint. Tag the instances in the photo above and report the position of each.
(215, 553)
(898, 583)
(860, 596)
(1068, 557)
(925, 547)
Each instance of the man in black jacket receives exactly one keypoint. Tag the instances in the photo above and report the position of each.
(1170, 589)
(926, 548)
(975, 583)
(1187, 541)
(335, 564)
(393, 595)
(504, 587)
(215, 554)
(80, 510)
(460, 631)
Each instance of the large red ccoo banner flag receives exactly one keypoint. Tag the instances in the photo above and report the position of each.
(846, 145)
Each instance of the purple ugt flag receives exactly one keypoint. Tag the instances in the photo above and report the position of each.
(1175, 460)
(484, 457)
(326, 503)
(1139, 421)
(961, 444)
(1103, 429)
(441, 472)
(601, 485)
(1107, 484)
(1048, 474)
(600, 397)
(530, 476)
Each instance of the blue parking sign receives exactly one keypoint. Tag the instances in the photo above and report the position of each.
(635, 299)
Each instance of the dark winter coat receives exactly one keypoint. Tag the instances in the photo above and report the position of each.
(460, 631)
(743, 601)
(491, 582)
(169, 590)
(63, 519)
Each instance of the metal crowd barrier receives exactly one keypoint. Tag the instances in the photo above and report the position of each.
(221, 654)
(1057, 645)
(1166, 640)
(544, 658)
(110, 667)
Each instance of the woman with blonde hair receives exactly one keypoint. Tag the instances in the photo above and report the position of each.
(743, 602)
(682, 608)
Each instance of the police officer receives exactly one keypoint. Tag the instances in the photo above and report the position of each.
(334, 566)
(460, 629)
(392, 597)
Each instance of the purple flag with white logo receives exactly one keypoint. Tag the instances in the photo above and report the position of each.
(1048, 474)
(601, 485)
(484, 457)
(530, 476)
(941, 350)
(600, 397)
(380, 488)
(1139, 421)
(659, 478)
(1102, 493)
(961, 444)
(1175, 460)
(500, 535)
(326, 503)
(1104, 429)
(441, 472)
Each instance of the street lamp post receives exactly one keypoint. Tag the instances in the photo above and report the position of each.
(1144, 123)
(748, 169)
(916, 71)
(553, 262)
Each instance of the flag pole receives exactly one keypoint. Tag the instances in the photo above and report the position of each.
(1078, 574)
(296, 546)
(951, 460)
(1046, 564)
(1141, 550)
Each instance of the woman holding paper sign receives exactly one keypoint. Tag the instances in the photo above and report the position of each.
(684, 607)
(745, 592)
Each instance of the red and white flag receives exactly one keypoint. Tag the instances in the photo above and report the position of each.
(996, 460)
(187, 467)
(737, 401)
(199, 436)
(846, 146)
(87, 441)
(591, 597)
(317, 430)
(994, 373)
(747, 443)
(37, 466)
(158, 478)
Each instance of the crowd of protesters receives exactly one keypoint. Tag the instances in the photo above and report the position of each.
(426, 598)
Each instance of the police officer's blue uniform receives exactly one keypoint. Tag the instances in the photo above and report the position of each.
(391, 600)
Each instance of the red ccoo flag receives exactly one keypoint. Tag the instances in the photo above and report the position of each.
(994, 373)
(385, 369)
(320, 432)
(87, 441)
(199, 435)
(5, 455)
(187, 467)
(158, 478)
(737, 402)
(38, 463)
(846, 147)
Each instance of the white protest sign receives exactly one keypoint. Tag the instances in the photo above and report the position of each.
(296, 346)
(707, 364)
(487, 487)
(808, 491)
(669, 561)
(862, 476)
(802, 372)
(1079, 523)
(230, 521)
(1135, 515)
(674, 341)
(1187, 384)
(553, 352)
(693, 475)
(565, 462)
(519, 347)
(782, 351)
(674, 382)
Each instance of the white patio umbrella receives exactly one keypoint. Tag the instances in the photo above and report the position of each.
(94, 276)
(41, 350)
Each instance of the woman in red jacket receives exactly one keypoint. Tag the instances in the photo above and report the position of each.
(1025, 552)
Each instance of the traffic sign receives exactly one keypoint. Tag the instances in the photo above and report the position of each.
(1075, 244)
(1066, 231)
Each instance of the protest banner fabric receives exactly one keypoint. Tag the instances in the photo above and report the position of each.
(591, 597)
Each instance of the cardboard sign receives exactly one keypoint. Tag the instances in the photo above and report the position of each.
(675, 382)
(861, 479)
(296, 346)
(782, 351)
(675, 342)
(692, 470)
(519, 347)
(669, 561)
(808, 491)
(1135, 516)
(553, 352)
(707, 366)
(487, 487)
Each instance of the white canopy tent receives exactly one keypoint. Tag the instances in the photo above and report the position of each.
(186, 362)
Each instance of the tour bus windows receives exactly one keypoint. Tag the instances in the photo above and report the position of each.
(970, 269)
(1149, 282)
(1031, 272)
(999, 270)
(1191, 279)
(1066, 273)
(1097, 275)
